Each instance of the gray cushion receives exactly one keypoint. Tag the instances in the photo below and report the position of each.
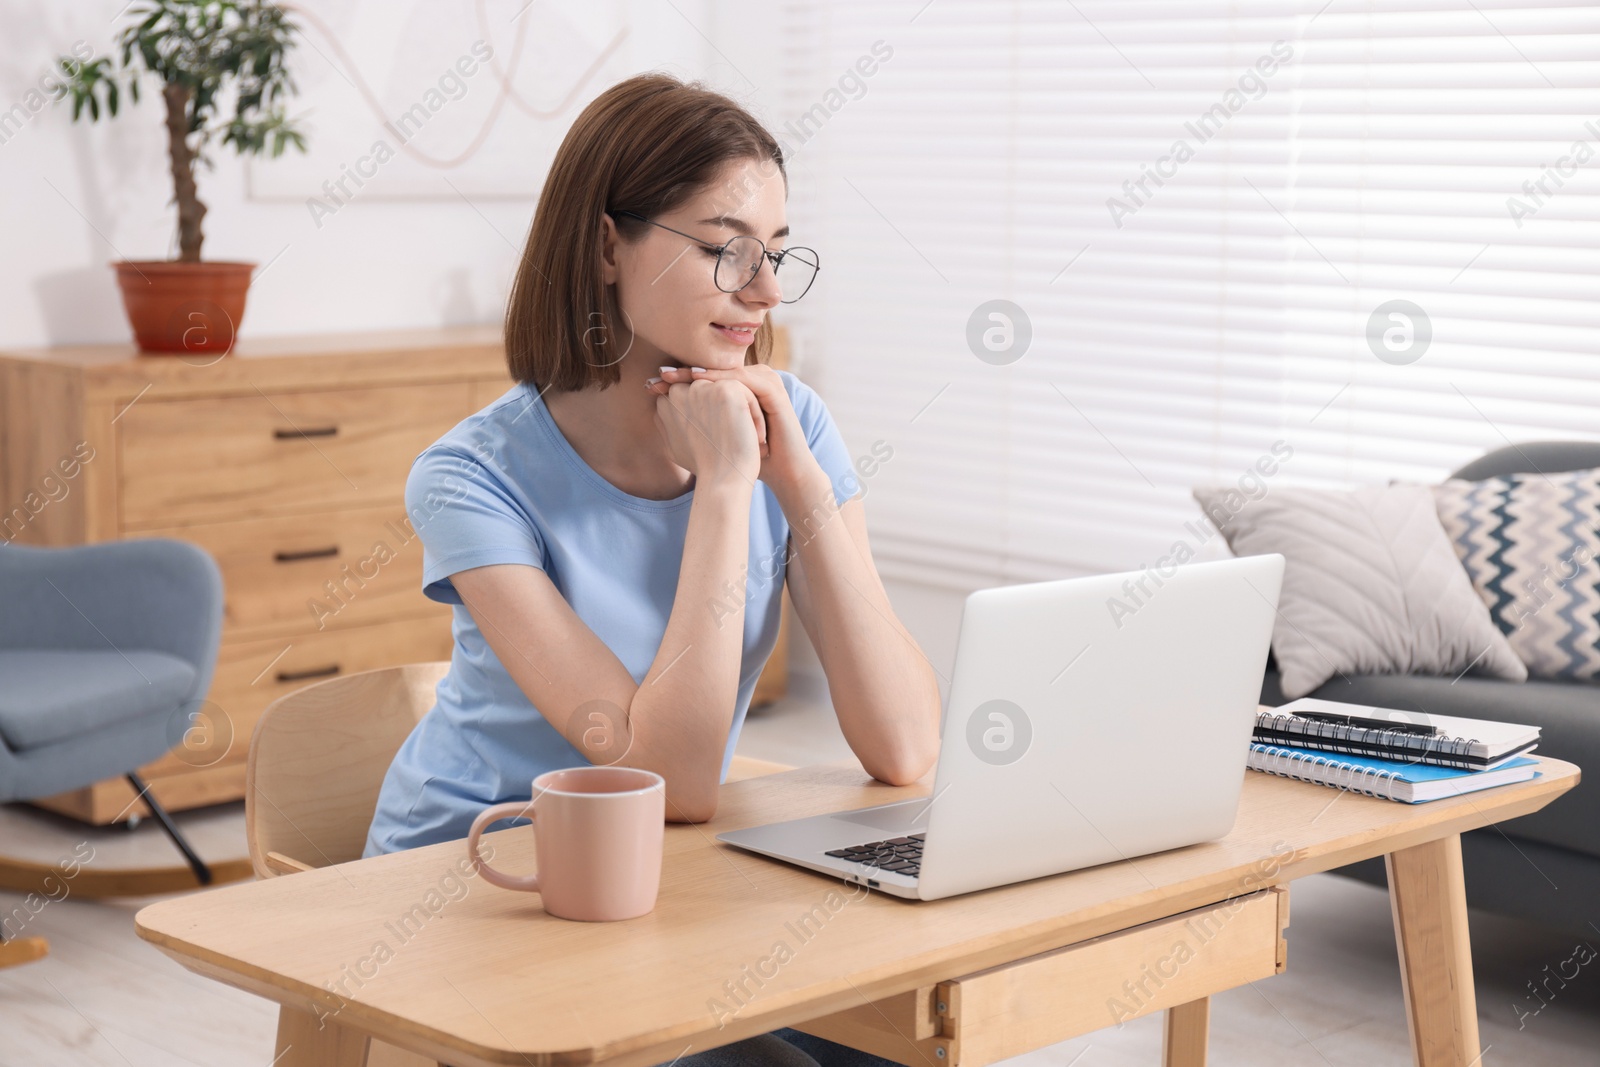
(1371, 584)
(1567, 714)
(50, 694)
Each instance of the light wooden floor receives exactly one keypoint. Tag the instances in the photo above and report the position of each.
(105, 999)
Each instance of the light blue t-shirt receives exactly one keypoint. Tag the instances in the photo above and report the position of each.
(505, 486)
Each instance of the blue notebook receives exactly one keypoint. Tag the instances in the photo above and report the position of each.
(1409, 783)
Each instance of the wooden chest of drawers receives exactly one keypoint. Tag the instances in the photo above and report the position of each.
(286, 461)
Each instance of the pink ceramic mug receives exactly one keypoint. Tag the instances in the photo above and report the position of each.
(598, 834)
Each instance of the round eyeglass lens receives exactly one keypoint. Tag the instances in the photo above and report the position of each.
(796, 270)
(741, 259)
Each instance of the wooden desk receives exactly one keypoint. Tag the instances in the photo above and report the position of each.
(489, 978)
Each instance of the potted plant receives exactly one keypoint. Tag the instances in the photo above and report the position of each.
(200, 50)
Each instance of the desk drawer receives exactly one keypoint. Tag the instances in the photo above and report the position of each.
(252, 674)
(1017, 1007)
(224, 458)
(277, 572)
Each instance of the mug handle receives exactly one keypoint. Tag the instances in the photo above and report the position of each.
(485, 817)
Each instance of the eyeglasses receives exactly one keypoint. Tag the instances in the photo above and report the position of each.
(739, 261)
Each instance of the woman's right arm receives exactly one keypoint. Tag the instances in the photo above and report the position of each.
(676, 721)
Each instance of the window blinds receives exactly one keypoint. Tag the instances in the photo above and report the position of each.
(1342, 242)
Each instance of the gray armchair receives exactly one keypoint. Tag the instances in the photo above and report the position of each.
(106, 655)
(1545, 866)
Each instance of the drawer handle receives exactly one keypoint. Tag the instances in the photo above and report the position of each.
(315, 672)
(308, 553)
(315, 431)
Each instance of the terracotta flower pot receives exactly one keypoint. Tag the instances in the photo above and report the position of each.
(184, 308)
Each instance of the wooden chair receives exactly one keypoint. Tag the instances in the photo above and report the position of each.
(316, 763)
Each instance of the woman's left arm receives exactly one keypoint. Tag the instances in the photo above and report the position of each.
(884, 689)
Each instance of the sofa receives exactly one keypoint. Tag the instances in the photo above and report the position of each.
(1546, 866)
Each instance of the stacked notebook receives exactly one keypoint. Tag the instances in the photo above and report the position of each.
(1399, 755)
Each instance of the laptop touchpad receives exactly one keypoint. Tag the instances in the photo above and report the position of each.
(906, 816)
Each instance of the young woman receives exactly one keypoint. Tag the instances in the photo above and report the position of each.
(615, 531)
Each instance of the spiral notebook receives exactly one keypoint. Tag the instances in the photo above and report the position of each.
(1408, 783)
(1394, 733)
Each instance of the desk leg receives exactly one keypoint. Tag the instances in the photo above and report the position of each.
(1428, 898)
(1188, 1027)
(302, 1044)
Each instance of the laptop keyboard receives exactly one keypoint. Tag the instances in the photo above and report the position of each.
(903, 855)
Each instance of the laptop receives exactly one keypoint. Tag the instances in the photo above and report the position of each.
(1088, 720)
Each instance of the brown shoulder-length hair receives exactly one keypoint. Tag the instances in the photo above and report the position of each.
(647, 145)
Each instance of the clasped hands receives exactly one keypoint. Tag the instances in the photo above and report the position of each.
(786, 459)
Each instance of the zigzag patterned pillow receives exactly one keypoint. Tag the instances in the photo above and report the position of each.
(1530, 543)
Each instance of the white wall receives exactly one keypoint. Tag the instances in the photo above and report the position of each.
(74, 196)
